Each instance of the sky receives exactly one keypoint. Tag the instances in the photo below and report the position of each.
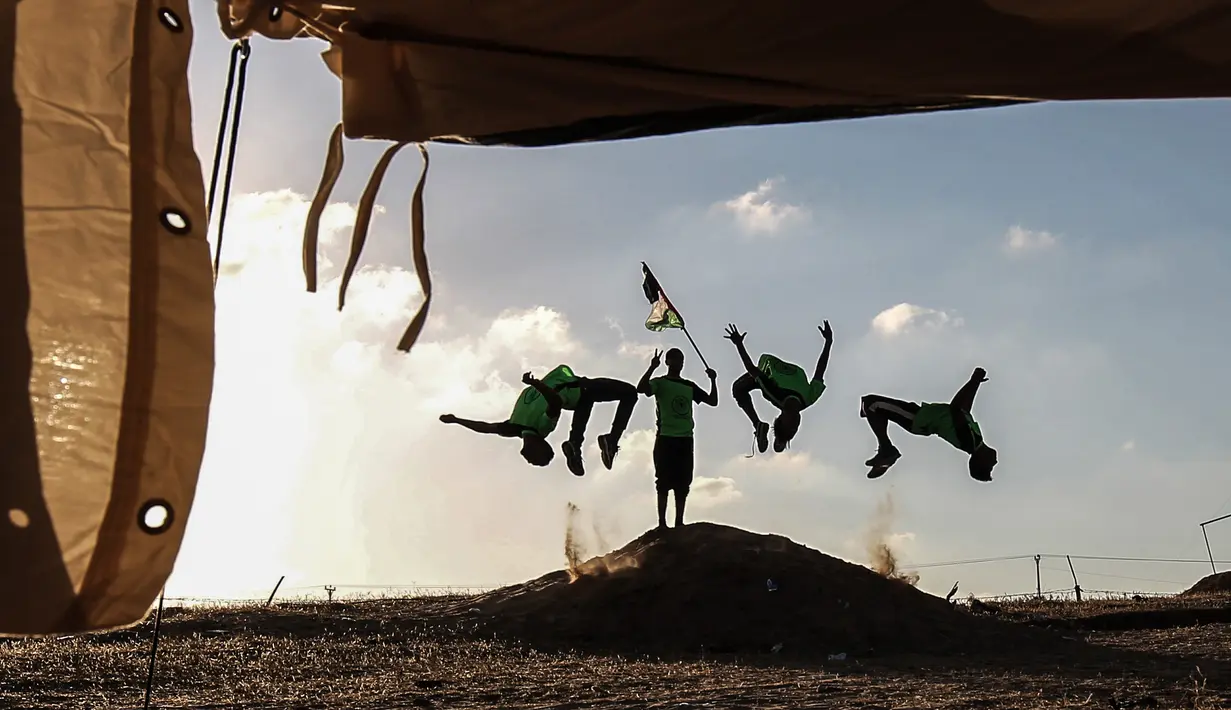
(1077, 252)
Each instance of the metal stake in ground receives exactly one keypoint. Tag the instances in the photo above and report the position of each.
(149, 680)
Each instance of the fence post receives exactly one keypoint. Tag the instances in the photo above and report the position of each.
(275, 591)
(1076, 586)
(1208, 551)
(1038, 577)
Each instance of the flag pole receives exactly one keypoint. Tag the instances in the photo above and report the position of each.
(694, 345)
(683, 326)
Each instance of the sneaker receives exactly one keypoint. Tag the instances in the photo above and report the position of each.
(573, 457)
(885, 457)
(762, 430)
(608, 449)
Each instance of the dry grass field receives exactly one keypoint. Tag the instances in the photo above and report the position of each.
(455, 652)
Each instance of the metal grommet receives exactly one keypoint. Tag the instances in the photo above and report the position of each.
(155, 517)
(170, 20)
(174, 221)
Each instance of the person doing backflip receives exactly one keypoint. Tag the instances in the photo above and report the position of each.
(785, 385)
(673, 440)
(950, 421)
(536, 414)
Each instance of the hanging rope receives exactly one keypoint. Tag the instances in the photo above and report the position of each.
(334, 157)
(239, 56)
(363, 219)
(418, 247)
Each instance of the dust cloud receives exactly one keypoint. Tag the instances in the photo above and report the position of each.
(576, 551)
(877, 541)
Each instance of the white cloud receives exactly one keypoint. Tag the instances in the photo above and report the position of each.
(907, 317)
(709, 493)
(757, 212)
(326, 460)
(1129, 445)
(638, 351)
(1019, 240)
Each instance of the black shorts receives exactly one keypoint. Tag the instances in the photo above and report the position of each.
(898, 411)
(673, 463)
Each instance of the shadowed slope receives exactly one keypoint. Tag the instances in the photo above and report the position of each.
(706, 586)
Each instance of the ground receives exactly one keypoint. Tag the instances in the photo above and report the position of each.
(379, 654)
(708, 616)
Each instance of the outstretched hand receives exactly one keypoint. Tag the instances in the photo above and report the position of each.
(734, 335)
(527, 378)
(826, 331)
(979, 375)
(709, 372)
(448, 418)
(657, 359)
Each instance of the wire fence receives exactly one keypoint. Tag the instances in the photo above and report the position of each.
(1043, 562)
(1077, 568)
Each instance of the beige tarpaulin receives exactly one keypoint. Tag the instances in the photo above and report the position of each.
(541, 72)
(106, 354)
(107, 349)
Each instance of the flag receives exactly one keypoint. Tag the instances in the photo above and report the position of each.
(662, 314)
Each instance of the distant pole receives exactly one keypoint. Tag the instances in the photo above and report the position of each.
(329, 589)
(149, 679)
(1076, 586)
(275, 591)
(1038, 577)
(1207, 538)
(1208, 551)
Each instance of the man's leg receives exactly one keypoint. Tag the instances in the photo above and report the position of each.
(577, 433)
(606, 389)
(879, 411)
(661, 484)
(741, 390)
(683, 478)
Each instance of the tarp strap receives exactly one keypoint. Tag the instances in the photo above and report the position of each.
(243, 28)
(417, 245)
(363, 218)
(239, 55)
(315, 26)
(312, 227)
(334, 160)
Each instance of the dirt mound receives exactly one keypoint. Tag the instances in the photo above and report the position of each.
(1219, 583)
(726, 590)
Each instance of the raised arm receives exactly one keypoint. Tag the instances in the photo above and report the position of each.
(497, 428)
(711, 397)
(823, 361)
(737, 337)
(964, 400)
(554, 402)
(643, 385)
(961, 405)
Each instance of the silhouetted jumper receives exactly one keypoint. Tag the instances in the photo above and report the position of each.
(537, 412)
(952, 422)
(783, 384)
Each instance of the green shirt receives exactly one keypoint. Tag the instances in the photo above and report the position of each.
(789, 378)
(530, 411)
(673, 400)
(937, 419)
